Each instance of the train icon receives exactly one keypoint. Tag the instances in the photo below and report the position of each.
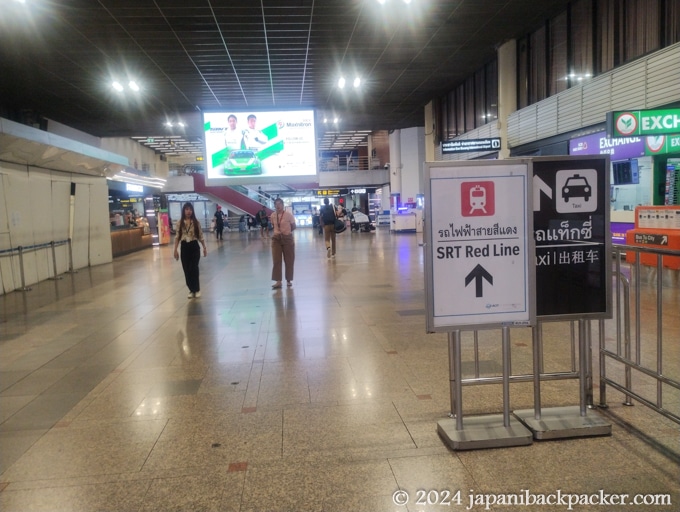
(477, 199)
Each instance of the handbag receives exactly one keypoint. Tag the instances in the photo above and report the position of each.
(340, 226)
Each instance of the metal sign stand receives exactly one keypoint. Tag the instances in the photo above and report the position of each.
(480, 273)
(566, 287)
(489, 431)
(563, 422)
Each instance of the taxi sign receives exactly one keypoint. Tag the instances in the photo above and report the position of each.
(479, 245)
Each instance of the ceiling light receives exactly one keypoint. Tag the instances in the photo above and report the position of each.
(117, 86)
(357, 82)
(133, 85)
(341, 82)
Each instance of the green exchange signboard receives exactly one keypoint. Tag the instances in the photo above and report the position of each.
(662, 144)
(643, 122)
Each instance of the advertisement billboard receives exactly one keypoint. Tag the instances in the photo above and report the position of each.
(245, 147)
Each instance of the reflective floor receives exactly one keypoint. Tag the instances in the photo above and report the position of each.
(119, 393)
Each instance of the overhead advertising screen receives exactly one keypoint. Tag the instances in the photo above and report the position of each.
(244, 147)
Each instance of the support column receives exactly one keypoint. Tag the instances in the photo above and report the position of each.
(507, 91)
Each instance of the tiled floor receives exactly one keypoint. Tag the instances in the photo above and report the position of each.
(119, 393)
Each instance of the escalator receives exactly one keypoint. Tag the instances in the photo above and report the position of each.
(235, 199)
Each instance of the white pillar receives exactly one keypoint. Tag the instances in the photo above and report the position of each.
(507, 91)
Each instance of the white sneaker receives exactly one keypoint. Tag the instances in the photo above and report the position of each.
(191, 295)
(197, 294)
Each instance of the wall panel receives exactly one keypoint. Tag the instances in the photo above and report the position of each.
(100, 232)
(569, 110)
(650, 82)
(39, 193)
(628, 88)
(35, 209)
(546, 118)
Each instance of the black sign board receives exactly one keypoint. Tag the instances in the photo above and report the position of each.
(573, 241)
(468, 145)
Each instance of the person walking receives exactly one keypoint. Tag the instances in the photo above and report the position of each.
(190, 234)
(263, 221)
(219, 222)
(283, 244)
(327, 219)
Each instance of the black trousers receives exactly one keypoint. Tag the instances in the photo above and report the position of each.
(219, 228)
(191, 255)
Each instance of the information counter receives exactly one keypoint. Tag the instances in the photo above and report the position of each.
(127, 240)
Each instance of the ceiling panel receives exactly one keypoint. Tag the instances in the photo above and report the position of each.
(58, 57)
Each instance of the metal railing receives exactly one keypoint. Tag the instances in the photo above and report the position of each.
(21, 250)
(627, 356)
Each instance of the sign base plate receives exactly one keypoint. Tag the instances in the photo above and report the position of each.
(483, 432)
(564, 422)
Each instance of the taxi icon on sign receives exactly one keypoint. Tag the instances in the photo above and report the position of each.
(576, 186)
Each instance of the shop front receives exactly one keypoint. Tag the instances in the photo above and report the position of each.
(642, 173)
(133, 216)
(631, 176)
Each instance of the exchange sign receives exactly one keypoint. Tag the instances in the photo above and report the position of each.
(643, 122)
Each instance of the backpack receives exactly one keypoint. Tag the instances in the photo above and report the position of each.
(328, 214)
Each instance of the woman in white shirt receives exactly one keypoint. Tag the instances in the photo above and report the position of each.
(190, 234)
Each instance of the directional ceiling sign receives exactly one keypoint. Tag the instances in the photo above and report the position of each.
(479, 244)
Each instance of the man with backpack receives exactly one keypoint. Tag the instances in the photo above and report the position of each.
(327, 220)
(263, 220)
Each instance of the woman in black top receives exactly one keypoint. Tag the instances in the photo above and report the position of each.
(190, 234)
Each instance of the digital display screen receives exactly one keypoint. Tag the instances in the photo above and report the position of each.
(244, 147)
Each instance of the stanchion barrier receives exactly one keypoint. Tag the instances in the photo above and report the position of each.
(21, 250)
(21, 269)
(54, 261)
(621, 356)
(71, 270)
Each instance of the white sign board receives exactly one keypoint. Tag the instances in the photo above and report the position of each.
(480, 250)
